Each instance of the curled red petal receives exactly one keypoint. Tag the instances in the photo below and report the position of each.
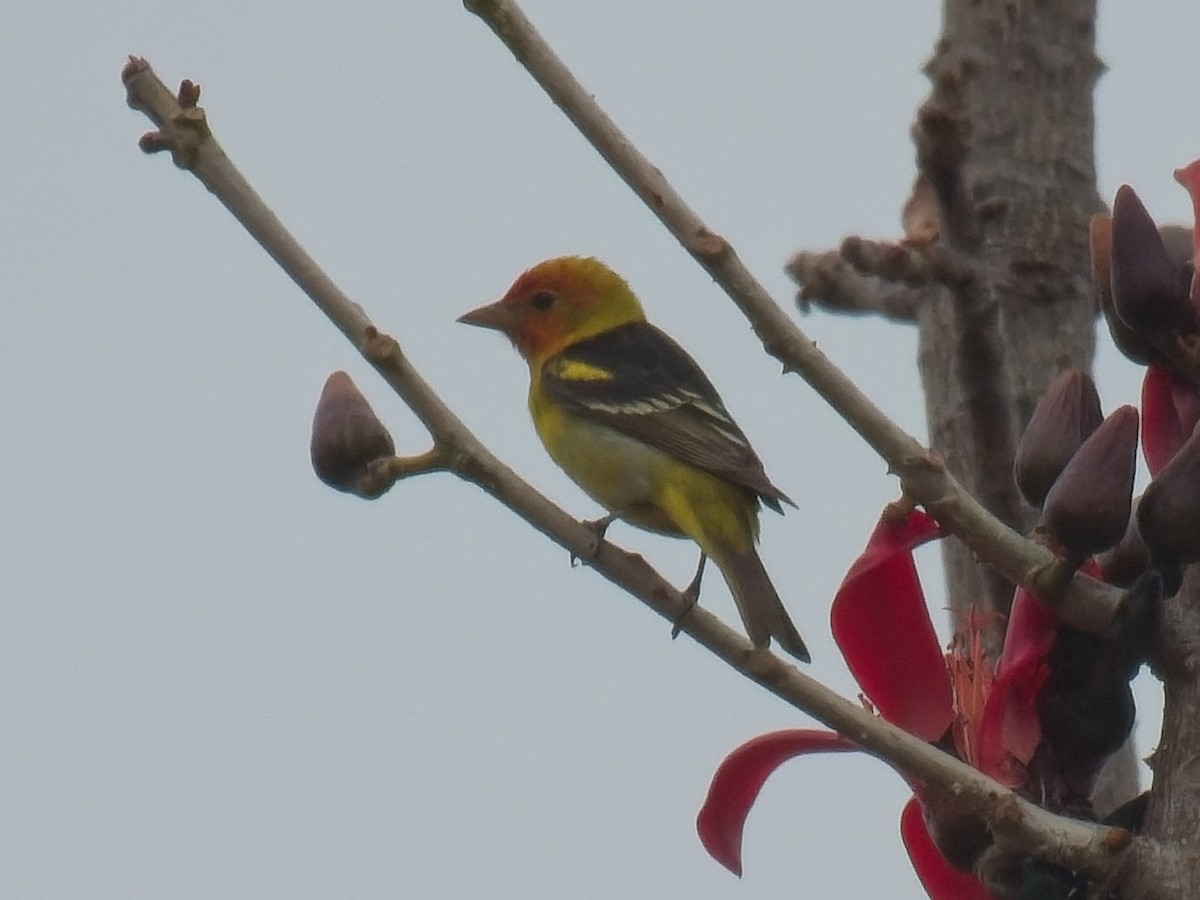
(1170, 411)
(737, 781)
(1011, 731)
(881, 624)
(940, 879)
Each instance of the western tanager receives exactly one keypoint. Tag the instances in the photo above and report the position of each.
(632, 419)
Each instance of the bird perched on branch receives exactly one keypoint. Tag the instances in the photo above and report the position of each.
(632, 419)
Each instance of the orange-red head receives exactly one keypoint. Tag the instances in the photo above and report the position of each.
(558, 302)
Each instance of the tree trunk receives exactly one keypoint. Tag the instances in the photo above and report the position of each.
(1029, 70)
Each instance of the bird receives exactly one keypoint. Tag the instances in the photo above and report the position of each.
(632, 419)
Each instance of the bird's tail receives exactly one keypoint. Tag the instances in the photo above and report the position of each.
(759, 604)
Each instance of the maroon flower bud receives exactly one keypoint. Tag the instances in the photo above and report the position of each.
(1124, 338)
(1087, 509)
(1169, 513)
(1146, 289)
(1066, 414)
(1177, 241)
(346, 436)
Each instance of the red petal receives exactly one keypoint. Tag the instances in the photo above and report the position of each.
(940, 879)
(1170, 410)
(882, 625)
(1189, 177)
(739, 778)
(1010, 731)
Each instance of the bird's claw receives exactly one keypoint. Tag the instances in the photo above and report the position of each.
(691, 596)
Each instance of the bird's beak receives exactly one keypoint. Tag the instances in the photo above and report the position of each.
(496, 316)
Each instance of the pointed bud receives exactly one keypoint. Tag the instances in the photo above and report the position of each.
(1066, 414)
(1145, 282)
(346, 435)
(1169, 514)
(1124, 563)
(1087, 509)
(1125, 338)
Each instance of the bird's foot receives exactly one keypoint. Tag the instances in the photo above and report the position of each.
(691, 595)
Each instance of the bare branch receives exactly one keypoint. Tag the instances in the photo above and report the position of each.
(909, 262)
(1088, 606)
(827, 280)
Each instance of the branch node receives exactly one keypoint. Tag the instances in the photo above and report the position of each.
(378, 348)
(189, 94)
(1117, 839)
(182, 125)
(1049, 582)
(709, 246)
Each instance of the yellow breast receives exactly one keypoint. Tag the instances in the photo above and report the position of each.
(642, 484)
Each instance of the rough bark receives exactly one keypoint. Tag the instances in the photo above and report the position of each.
(1028, 72)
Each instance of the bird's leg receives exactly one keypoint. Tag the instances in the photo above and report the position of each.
(597, 527)
(691, 594)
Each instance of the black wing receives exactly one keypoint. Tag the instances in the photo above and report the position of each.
(636, 379)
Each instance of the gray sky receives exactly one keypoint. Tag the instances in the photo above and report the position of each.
(220, 679)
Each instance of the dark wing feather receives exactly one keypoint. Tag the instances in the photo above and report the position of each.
(660, 396)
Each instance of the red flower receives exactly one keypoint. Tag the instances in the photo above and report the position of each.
(881, 624)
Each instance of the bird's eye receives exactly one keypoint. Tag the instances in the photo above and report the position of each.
(542, 300)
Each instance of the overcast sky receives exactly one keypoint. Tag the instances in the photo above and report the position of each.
(218, 678)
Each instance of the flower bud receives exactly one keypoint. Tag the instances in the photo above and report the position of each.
(1125, 338)
(1087, 509)
(1178, 242)
(346, 435)
(1169, 513)
(1146, 283)
(1066, 414)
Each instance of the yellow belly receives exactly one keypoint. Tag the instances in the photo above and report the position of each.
(646, 486)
